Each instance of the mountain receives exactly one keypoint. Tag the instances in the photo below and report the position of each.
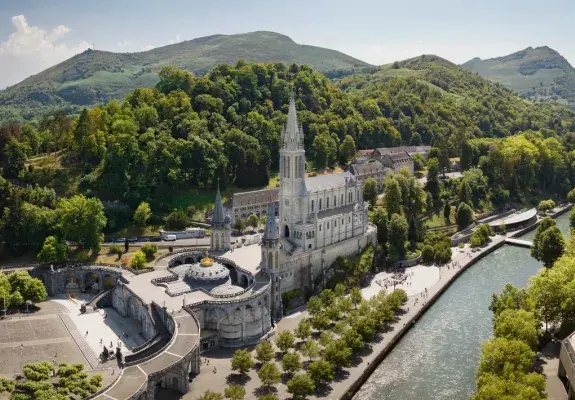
(535, 73)
(93, 77)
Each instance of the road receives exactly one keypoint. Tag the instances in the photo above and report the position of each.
(205, 241)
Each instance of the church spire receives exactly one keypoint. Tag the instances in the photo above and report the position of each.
(293, 134)
(218, 217)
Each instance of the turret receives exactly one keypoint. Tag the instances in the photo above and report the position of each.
(221, 226)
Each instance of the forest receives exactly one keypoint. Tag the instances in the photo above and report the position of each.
(193, 132)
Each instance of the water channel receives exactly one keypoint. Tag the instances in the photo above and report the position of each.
(438, 358)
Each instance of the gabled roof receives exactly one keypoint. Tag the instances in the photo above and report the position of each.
(399, 156)
(367, 168)
(253, 197)
(331, 181)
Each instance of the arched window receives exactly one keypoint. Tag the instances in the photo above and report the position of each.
(350, 200)
(270, 260)
(335, 201)
(327, 203)
(341, 200)
(320, 204)
(312, 205)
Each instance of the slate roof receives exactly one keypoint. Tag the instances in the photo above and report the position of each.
(330, 181)
(399, 156)
(253, 197)
(368, 168)
(335, 211)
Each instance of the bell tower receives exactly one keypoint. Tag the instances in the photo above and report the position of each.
(270, 260)
(221, 226)
(292, 174)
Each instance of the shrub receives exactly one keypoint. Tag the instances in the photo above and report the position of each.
(191, 210)
(149, 249)
(427, 254)
(82, 256)
(171, 249)
(546, 205)
(177, 220)
(116, 249)
(138, 260)
(571, 196)
(464, 216)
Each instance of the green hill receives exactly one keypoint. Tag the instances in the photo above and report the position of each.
(94, 77)
(536, 73)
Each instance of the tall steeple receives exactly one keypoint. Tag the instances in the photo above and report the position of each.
(293, 134)
(218, 217)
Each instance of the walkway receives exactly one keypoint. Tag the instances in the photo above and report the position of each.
(519, 242)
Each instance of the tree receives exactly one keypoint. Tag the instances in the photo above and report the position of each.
(346, 149)
(571, 196)
(177, 220)
(242, 361)
(552, 246)
(464, 216)
(285, 340)
(142, 214)
(392, 195)
(310, 349)
(516, 386)
(235, 392)
(338, 353)
(546, 205)
(447, 212)
(269, 374)
(81, 219)
(433, 186)
(502, 356)
(517, 324)
(379, 218)
(269, 396)
(303, 330)
(465, 193)
(191, 211)
(149, 249)
(356, 296)
(572, 219)
(427, 254)
(415, 139)
(370, 191)
(53, 250)
(29, 288)
(14, 157)
(321, 371)
(210, 395)
(398, 230)
(138, 260)
(239, 225)
(253, 221)
(264, 351)
(291, 362)
(314, 305)
(300, 386)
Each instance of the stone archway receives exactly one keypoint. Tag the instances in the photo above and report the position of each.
(189, 260)
(244, 281)
(286, 231)
(177, 262)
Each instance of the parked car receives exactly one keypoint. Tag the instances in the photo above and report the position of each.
(133, 239)
(144, 240)
(156, 239)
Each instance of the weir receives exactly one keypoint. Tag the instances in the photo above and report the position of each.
(519, 242)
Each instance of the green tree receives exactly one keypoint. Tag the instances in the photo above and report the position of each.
(321, 371)
(285, 340)
(291, 362)
(415, 139)
(392, 195)
(571, 196)
(210, 395)
(503, 356)
(346, 149)
(465, 193)
(552, 246)
(235, 392)
(81, 219)
(239, 225)
(138, 260)
(177, 220)
(356, 296)
(546, 205)
(310, 349)
(30, 288)
(398, 230)
(142, 214)
(447, 212)
(149, 249)
(572, 219)
(338, 353)
(517, 386)
(433, 185)
(464, 216)
(265, 351)
(253, 221)
(314, 305)
(300, 386)
(242, 361)
(269, 396)
(14, 156)
(517, 324)
(379, 218)
(53, 250)
(303, 330)
(269, 374)
(370, 191)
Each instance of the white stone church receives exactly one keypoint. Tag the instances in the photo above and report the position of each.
(320, 218)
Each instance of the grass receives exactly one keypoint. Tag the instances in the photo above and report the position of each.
(104, 257)
(130, 231)
(437, 220)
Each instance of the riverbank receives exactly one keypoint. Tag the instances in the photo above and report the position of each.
(465, 258)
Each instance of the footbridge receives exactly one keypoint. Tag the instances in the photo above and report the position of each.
(519, 242)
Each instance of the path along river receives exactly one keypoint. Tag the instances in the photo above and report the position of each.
(437, 359)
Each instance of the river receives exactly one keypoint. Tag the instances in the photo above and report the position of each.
(438, 358)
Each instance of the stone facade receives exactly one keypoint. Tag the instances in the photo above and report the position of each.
(363, 169)
(221, 226)
(320, 218)
(242, 205)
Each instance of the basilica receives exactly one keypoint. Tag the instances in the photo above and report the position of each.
(319, 218)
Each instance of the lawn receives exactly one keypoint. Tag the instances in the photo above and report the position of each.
(131, 231)
(437, 220)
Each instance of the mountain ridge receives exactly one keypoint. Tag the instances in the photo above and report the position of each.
(96, 76)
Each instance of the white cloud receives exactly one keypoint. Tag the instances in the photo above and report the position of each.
(148, 47)
(125, 43)
(172, 41)
(31, 49)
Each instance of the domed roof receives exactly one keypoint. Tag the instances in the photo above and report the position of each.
(226, 290)
(209, 273)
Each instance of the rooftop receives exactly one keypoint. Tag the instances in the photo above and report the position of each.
(330, 181)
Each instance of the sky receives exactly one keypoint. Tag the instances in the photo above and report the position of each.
(37, 34)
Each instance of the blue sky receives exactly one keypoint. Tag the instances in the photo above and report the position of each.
(35, 34)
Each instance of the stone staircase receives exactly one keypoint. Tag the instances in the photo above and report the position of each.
(80, 341)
